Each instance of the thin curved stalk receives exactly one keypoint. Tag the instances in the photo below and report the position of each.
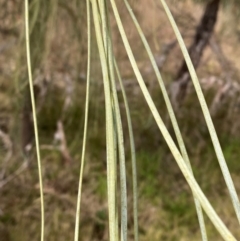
(34, 116)
(109, 127)
(120, 142)
(220, 226)
(77, 222)
(211, 128)
(117, 118)
(103, 15)
(119, 131)
(171, 115)
(133, 156)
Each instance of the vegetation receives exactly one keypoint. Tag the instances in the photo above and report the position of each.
(129, 186)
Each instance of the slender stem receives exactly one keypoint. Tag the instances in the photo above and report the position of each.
(133, 156)
(76, 235)
(171, 115)
(111, 175)
(205, 110)
(34, 116)
(226, 234)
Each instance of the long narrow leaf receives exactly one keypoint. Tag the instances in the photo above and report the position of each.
(211, 128)
(184, 168)
(34, 116)
(133, 156)
(171, 114)
(120, 139)
(77, 221)
(109, 127)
